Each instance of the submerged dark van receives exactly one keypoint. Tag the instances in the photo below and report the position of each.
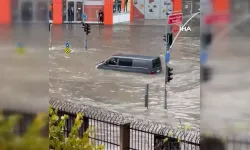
(132, 63)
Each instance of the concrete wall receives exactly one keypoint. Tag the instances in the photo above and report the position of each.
(90, 8)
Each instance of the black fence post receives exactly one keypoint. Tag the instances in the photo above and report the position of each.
(84, 127)
(211, 143)
(146, 95)
(85, 123)
(125, 136)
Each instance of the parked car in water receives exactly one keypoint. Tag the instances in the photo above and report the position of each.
(132, 63)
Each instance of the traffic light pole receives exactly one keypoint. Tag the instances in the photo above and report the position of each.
(50, 35)
(168, 31)
(86, 41)
(87, 31)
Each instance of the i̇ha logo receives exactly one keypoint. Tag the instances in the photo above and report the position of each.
(177, 28)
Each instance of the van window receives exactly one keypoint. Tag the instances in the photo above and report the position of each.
(125, 62)
(112, 61)
(156, 63)
(140, 63)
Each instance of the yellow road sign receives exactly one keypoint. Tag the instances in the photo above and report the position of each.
(67, 50)
(20, 51)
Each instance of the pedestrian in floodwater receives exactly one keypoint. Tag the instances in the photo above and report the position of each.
(101, 16)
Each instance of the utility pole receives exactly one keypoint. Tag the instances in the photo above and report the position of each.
(86, 38)
(50, 34)
(168, 42)
(85, 26)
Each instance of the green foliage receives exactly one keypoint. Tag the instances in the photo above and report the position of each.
(72, 142)
(185, 128)
(33, 140)
(30, 140)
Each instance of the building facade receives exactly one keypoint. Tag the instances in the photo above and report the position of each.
(115, 11)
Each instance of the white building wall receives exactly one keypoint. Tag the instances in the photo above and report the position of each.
(154, 9)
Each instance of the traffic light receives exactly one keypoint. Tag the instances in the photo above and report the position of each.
(85, 27)
(169, 73)
(88, 28)
(206, 73)
(83, 24)
(206, 39)
(164, 38)
(169, 39)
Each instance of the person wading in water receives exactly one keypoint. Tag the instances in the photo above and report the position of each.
(101, 17)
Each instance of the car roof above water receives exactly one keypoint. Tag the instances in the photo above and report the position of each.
(134, 56)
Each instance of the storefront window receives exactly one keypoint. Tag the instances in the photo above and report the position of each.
(42, 11)
(117, 6)
(14, 10)
(127, 5)
(26, 11)
(65, 12)
(121, 6)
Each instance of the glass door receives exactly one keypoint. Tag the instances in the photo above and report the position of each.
(78, 11)
(26, 11)
(71, 11)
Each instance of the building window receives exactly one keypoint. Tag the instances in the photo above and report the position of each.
(121, 6)
(65, 11)
(51, 11)
(26, 11)
(117, 6)
(42, 11)
(127, 4)
(14, 10)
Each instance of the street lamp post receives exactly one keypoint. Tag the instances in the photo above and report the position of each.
(169, 44)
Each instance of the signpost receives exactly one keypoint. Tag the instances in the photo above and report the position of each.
(203, 56)
(183, 25)
(67, 48)
(84, 17)
(175, 18)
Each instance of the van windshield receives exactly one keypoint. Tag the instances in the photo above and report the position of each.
(157, 63)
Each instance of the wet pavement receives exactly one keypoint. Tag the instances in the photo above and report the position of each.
(73, 77)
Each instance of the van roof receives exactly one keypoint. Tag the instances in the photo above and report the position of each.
(134, 56)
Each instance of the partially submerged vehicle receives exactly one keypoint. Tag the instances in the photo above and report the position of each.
(132, 63)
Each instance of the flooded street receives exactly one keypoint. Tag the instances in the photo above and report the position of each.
(73, 77)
